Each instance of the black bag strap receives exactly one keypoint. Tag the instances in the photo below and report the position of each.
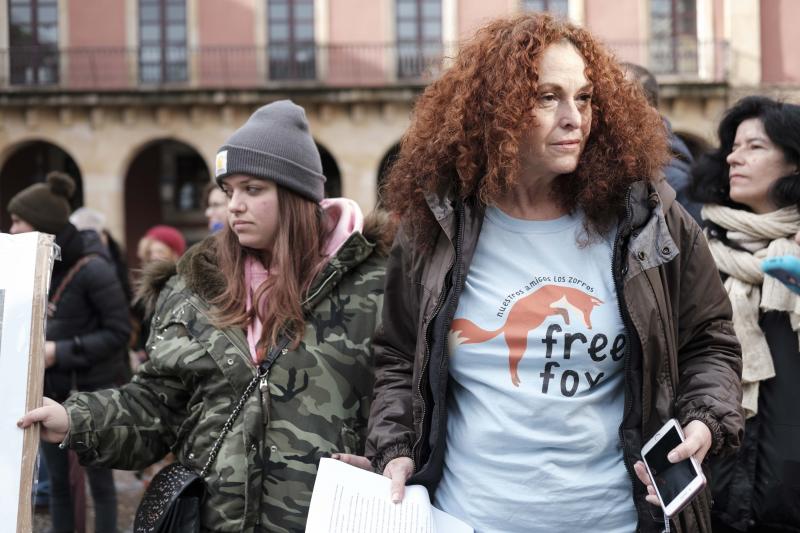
(263, 371)
(52, 305)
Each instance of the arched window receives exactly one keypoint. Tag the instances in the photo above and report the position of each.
(330, 169)
(164, 185)
(29, 163)
(385, 165)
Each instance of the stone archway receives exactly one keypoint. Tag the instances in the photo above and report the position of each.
(330, 169)
(386, 164)
(29, 162)
(164, 185)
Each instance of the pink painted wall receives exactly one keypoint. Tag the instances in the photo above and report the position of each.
(95, 52)
(472, 14)
(618, 24)
(84, 29)
(720, 47)
(226, 22)
(718, 14)
(357, 21)
(226, 43)
(357, 52)
(780, 62)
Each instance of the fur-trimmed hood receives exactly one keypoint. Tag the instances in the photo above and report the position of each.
(198, 265)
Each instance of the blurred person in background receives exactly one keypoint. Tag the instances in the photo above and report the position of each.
(160, 244)
(88, 219)
(750, 188)
(165, 245)
(92, 225)
(293, 278)
(678, 168)
(87, 326)
(216, 207)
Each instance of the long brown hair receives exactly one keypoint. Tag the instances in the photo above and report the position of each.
(296, 258)
(467, 127)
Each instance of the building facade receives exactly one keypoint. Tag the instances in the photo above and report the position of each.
(133, 97)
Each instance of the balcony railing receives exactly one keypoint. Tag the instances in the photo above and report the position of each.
(678, 58)
(356, 65)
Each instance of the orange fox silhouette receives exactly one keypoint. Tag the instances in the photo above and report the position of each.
(526, 314)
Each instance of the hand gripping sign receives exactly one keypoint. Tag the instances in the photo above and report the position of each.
(26, 261)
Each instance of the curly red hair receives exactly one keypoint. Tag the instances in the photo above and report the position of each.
(467, 127)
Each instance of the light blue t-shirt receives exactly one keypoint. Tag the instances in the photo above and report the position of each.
(536, 392)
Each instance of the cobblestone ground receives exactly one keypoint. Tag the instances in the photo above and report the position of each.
(129, 492)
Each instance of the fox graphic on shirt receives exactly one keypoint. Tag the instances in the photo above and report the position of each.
(527, 314)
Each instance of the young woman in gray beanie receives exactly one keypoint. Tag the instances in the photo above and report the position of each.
(293, 278)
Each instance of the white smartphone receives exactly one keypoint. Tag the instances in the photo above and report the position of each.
(675, 483)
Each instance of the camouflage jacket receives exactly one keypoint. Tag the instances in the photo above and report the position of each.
(315, 401)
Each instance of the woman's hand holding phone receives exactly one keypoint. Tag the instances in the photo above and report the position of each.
(696, 444)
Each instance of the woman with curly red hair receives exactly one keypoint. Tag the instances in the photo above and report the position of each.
(548, 304)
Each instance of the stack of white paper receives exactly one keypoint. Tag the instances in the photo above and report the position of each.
(347, 499)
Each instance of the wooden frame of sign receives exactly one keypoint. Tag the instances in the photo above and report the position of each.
(34, 250)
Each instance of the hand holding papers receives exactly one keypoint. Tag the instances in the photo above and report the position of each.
(347, 499)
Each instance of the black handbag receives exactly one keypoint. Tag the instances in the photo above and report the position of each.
(172, 501)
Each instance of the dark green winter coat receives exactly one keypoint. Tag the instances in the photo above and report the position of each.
(315, 402)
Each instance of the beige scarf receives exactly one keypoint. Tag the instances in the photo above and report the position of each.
(762, 236)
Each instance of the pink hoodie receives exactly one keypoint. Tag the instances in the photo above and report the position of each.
(346, 218)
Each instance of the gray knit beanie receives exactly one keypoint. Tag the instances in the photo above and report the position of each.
(275, 144)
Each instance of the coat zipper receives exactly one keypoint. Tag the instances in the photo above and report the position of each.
(264, 383)
(415, 450)
(623, 311)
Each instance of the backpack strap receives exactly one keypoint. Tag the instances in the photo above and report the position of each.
(52, 305)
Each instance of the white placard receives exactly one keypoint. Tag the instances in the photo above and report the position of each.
(25, 265)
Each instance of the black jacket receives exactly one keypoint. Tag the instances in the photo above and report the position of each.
(760, 486)
(90, 322)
